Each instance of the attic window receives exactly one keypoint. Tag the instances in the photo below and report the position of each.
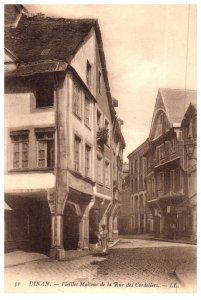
(45, 52)
(44, 93)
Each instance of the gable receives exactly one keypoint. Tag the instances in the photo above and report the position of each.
(11, 14)
(160, 120)
(102, 99)
(86, 54)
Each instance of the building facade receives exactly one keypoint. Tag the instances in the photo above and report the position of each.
(141, 220)
(59, 120)
(168, 179)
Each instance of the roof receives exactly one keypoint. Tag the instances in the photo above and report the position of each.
(142, 147)
(176, 102)
(37, 33)
(38, 39)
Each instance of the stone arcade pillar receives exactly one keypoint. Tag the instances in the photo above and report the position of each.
(56, 204)
(84, 226)
(113, 226)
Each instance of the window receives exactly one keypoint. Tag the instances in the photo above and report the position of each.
(153, 186)
(107, 174)
(88, 74)
(161, 181)
(77, 101)
(45, 147)
(99, 119)
(100, 82)
(20, 152)
(77, 153)
(44, 92)
(87, 112)
(107, 126)
(99, 169)
(173, 145)
(87, 161)
(162, 151)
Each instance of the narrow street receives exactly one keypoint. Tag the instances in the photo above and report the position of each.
(135, 264)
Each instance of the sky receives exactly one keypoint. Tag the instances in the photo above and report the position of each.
(147, 47)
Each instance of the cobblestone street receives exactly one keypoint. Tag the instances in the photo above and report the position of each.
(133, 264)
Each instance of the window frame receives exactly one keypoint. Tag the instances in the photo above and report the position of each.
(87, 108)
(49, 147)
(108, 169)
(77, 100)
(20, 142)
(77, 163)
(89, 173)
(99, 158)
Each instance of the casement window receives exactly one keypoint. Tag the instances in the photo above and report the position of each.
(160, 181)
(99, 169)
(107, 174)
(77, 101)
(20, 151)
(100, 82)
(87, 111)
(87, 161)
(45, 147)
(173, 145)
(107, 126)
(162, 151)
(44, 92)
(77, 153)
(89, 74)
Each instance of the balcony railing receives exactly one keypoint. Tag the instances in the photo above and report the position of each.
(167, 156)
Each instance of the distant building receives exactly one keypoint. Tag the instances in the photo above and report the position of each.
(141, 220)
(170, 172)
(124, 214)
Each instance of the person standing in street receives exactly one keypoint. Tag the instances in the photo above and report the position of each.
(103, 239)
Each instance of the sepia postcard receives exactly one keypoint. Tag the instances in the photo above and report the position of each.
(100, 143)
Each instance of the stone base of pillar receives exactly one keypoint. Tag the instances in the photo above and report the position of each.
(115, 234)
(57, 253)
(193, 238)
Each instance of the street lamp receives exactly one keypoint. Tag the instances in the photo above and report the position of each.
(190, 145)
